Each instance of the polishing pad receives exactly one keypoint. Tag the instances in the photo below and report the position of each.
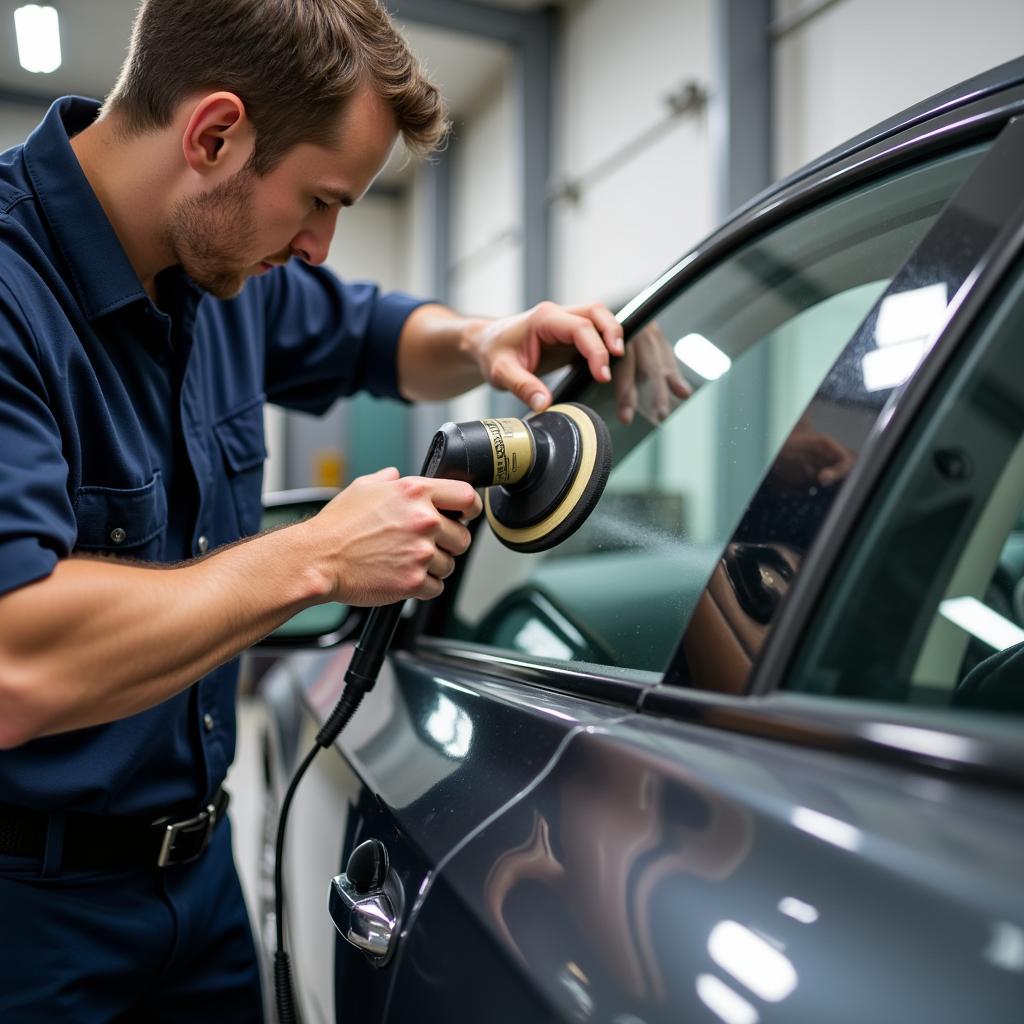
(573, 458)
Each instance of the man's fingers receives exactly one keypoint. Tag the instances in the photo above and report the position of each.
(554, 324)
(625, 386)
(442, 565)
(450, 495)
(604, 320)
(679, 387)
(659, 398)
(509, 374)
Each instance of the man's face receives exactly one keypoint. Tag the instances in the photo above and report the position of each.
(248, 224)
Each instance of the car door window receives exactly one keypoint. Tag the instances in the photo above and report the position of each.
(754, 337)
(928, 606)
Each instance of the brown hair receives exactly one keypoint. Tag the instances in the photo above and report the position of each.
(294, 63)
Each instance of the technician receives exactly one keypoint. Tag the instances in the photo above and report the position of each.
(160, 279)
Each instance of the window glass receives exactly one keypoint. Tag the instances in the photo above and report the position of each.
(754, 337)
(928, 606)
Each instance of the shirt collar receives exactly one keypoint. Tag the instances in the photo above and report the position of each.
(100, 269)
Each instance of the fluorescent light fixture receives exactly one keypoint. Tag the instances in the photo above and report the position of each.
(924, 741)
(722, 1001)
(798, 910)
(38, 38)
(911, 315)
(982, 622)
(1006, 950)
(890, 367)
(832, 830)
(752, 961)
(702, 357)
(535, 638)
(906, 326)
(451, 727)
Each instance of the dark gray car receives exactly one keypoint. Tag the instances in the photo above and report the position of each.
(748, 747)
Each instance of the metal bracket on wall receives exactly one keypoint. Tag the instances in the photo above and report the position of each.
(690, 98)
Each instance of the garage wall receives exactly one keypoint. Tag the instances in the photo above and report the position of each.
(618, 63)
(860, 61)
(17, 121)
(485, 273)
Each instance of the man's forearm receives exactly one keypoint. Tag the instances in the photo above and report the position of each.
(442, 354)
(99, 640)
(436, 354)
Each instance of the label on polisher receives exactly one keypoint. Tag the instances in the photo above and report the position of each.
(511, 449)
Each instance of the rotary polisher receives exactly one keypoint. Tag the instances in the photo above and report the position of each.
(543, 476)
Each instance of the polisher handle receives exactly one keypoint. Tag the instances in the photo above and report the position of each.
(373, 645)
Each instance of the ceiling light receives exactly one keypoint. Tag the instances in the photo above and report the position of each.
(701, 356)
(38, 38)
(976, 618)
(752, 961)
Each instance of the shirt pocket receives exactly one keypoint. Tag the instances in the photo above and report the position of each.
(241, 441)
(123, 520)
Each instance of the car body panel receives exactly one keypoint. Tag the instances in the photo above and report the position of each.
(653, 874)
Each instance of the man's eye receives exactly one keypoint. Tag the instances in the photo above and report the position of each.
(319, 205)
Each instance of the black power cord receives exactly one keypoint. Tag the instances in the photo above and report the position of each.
(360, 678)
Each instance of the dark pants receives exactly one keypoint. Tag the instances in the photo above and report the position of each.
(146, 945)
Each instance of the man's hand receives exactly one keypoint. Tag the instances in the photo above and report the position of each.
(811, 459)
(648, 378)
(512, 351)
(384, 538)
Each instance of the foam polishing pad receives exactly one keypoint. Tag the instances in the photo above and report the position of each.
(572, 459)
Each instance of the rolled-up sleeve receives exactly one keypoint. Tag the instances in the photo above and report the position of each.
(326, 338)
(37, 523)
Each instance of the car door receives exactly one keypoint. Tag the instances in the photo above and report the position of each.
(630, 834)
(565, 790)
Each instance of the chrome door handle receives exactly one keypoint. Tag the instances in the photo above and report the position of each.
(368, 921)
(365, 902)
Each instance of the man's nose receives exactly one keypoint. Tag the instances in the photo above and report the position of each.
(313, 243)
(311, 247)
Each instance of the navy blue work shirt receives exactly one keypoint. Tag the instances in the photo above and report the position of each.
(135, 428)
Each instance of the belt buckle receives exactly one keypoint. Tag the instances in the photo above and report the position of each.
(198, 830)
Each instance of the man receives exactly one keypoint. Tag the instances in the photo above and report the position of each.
(159, 280)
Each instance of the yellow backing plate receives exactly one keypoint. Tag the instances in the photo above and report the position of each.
(588, 458)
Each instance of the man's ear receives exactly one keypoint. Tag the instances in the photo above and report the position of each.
(219, 135)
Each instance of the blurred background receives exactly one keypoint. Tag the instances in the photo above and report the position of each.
(595, 142)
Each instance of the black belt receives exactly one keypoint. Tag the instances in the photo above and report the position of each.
(98, 841)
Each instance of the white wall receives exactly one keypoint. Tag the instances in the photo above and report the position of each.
(17, 121)
(861, 61)
(618, 63)
(485, 275)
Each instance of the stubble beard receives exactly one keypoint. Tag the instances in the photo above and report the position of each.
(209, 231)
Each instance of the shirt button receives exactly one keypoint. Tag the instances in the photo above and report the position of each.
(208, 722)
(202, 544)
(117, 535)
